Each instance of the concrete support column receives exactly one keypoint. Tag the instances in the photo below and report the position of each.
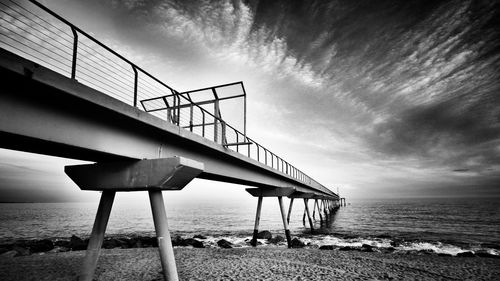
(308, 215)
(319, 211)
(257, 220)
(289, 211)
(96, 238)
(167, 257)
(285, 223)
(314, 209)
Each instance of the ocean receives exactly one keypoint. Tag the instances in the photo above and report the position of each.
(438, 225)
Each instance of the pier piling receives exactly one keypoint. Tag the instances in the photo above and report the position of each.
(285, 223)
(257, 220)
(97, 236)
(308, 215)
(167, 257)
(289, 211)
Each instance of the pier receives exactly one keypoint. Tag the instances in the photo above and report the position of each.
(143, 136)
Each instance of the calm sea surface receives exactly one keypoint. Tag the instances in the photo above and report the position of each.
(440, 225)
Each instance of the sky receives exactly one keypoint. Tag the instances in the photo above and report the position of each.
(381, 99)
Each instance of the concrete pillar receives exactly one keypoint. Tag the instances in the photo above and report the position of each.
(314, 208)
(308, 215)
(289, 211)
(163, 235)
(96, 238)
(285, 223)
(319, 211)
(257, 220)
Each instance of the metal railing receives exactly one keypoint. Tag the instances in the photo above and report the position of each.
(61, 46)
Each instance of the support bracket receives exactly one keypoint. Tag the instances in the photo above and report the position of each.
(298, 194)
(164, 174)
(270, 192)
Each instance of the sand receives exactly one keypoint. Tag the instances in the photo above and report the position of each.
(253, 264)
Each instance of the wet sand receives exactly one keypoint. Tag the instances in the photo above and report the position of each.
(253, 264)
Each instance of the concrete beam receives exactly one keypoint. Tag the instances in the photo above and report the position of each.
(134, 175)
(270, 192)
(305, 195)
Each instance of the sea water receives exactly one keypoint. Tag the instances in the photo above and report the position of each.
(438, 225)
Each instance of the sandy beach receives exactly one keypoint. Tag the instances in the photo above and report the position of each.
(253, 264)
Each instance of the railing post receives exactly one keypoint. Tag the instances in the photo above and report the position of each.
(223, 136)
(191, 117)
(135, 85)
(203, 123)
(237, 141)
(178, 109)
(216, 120)
(75, 52)
(248, 149)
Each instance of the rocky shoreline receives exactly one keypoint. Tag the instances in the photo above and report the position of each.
(265, 238)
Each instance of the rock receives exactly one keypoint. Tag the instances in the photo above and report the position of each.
(466, 254)
(388, 250)
(179, 241)
(444, 255)
(195, 243)
(9, 254)
(136, 243)
(110, 243)
(396, 242)
(485, 254)
(276, 239)
(21, 251)
(367, 248)
(146, 242)
(346, 248)
(223, 243)
(38, 246)
(426, 252)
(77, 244)
(199, 236)
(58, 249)
(327, 247)
(250, 241)
(125, 243)
(264, 235)
(62, 243)
(296, 243)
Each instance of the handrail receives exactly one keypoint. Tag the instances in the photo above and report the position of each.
(182, 99)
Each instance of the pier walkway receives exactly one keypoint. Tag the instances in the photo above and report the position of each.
(66, 94)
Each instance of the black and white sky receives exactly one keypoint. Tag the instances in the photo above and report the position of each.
(381, 98)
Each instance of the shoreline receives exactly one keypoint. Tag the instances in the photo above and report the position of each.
(261, 263)
(24, 247)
